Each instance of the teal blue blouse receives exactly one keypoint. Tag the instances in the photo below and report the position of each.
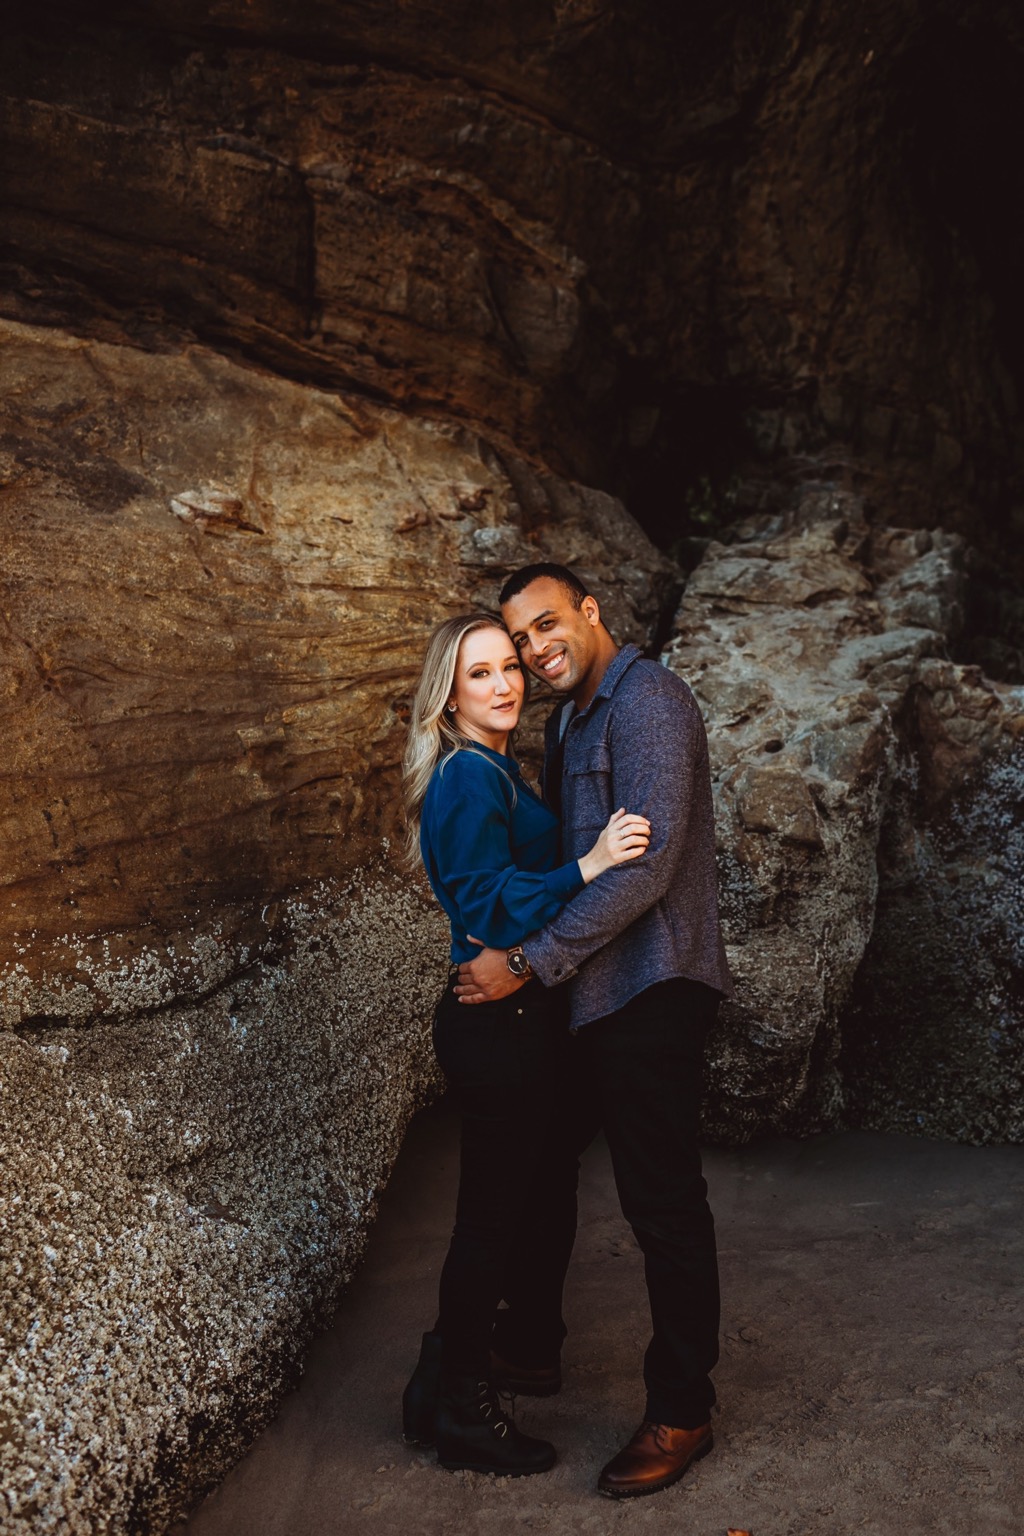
(491, 849)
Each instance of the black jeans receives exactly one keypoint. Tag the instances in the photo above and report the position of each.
(506, 1064)
(637, 1074)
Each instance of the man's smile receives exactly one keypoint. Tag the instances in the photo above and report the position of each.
(552, 665)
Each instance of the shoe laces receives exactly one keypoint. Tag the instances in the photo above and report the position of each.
(661, 1433)
(650, 1427)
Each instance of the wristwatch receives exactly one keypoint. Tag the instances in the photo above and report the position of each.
(518, 963)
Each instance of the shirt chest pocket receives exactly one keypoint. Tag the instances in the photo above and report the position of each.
(587, 787)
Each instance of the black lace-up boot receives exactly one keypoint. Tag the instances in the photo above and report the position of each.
(474, 1434)
(419, 1400)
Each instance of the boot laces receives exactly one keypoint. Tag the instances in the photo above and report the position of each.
(488, 1404)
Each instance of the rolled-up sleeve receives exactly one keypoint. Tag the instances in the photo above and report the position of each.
(468, 855)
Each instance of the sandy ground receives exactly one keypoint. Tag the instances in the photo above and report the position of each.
(870, 1381)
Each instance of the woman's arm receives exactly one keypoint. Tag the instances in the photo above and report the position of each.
(467, 853)
(466, 824)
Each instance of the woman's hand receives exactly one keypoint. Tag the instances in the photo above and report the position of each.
(625, 837)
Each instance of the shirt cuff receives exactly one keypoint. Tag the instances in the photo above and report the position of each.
(565, 883)
(548, 965)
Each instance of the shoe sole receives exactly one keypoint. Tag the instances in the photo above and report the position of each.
(471, 1466)
(641, 1490)
(419, 1442)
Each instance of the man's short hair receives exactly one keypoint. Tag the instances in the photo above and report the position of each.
(568, 580)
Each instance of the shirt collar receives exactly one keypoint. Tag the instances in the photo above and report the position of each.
(619, 664)
(503, 759)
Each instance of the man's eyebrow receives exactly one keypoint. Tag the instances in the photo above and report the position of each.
(518, 635)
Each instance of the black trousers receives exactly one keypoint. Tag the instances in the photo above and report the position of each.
(532, 1097)
(507, 1068)
(636, 1074)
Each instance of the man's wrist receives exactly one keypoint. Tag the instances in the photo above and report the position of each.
(517, 963)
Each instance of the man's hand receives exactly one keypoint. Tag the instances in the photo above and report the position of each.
(487, 978)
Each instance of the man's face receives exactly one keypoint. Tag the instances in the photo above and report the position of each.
(555, 641)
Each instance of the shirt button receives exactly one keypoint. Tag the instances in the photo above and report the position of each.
(519, 1010)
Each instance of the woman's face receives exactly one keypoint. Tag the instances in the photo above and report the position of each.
(488, 688)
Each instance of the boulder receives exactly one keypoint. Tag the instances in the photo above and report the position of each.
(817, 646)
(933, 1039)
(186, 1191)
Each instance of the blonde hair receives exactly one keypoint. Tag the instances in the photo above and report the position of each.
(433, 737)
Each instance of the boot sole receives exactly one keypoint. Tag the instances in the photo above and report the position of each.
(642, 1489)
(472, 1466)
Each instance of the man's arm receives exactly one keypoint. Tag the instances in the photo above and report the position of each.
(655, 753)
(486, 978)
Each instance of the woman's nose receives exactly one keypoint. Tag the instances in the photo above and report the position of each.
(501, 684)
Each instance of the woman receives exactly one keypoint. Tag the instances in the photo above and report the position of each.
(490, 847)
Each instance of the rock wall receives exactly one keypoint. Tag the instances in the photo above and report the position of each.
(216, 980)
(933, 1039)
(217, 589)
(657, 245)
(839, 735)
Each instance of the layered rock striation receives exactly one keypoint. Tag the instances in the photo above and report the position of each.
(649, 243)
(217, 589)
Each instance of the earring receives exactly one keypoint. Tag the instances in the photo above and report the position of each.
(449, 709)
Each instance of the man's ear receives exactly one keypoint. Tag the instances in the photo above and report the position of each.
(590, 608)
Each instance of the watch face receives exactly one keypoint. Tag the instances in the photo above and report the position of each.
(517, 963)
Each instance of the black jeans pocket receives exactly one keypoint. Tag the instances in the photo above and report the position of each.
(515, 1044)
(476, 1044)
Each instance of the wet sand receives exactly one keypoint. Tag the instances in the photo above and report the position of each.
(871, 1380)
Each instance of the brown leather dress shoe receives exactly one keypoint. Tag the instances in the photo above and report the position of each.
(655, 1458)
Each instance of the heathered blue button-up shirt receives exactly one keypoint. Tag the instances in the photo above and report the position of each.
(640, 744)
(491, 851)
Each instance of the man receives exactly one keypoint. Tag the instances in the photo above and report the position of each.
(642, 954)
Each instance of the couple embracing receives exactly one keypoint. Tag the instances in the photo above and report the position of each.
(587, 968)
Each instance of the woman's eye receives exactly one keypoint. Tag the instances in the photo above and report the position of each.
(513, 666)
